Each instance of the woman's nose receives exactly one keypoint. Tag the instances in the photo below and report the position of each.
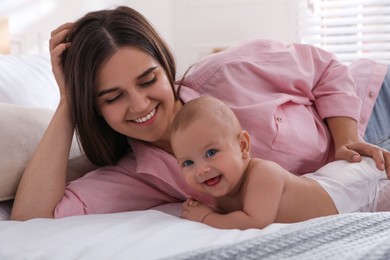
(137, 102)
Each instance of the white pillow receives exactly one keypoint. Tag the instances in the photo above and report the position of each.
(27, 80)
(21, 129)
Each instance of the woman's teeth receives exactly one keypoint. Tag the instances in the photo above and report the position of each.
(145, 118)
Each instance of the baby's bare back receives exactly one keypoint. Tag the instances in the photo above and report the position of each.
(303, 199)
(270, 194)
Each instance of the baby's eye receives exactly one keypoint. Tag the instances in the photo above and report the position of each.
(187, 163)
(211, 152)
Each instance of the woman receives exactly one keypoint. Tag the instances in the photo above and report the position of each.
(116, 78)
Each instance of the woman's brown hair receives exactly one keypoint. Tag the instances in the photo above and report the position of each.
(94, 39)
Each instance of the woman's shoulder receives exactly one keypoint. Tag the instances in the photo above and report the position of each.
(250, 50)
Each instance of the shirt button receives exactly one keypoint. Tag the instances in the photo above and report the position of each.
(362, 121)
(280, 120)
(371, 94)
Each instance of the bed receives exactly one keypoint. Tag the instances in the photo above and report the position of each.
(28, 96)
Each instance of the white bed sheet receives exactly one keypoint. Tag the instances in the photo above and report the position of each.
(150, 234)
(5, 210)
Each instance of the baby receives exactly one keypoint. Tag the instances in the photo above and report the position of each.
(214, 155)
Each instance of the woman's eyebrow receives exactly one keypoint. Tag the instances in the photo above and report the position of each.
(143, 74)
(146, 72)
(106, 91)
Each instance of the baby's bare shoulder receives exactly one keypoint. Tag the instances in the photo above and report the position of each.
(267, 169)
(257, 163)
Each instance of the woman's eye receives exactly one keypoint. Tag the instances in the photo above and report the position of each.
(187, 163)
(211, 152)
(112, 100)
(149, 82)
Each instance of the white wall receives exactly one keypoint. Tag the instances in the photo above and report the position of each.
(191, 27)
(202, 25)
(31, 21)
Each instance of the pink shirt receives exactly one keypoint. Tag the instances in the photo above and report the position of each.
(280, 93)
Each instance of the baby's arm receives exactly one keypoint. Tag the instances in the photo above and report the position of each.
(198, 211)
(264, 189)
(195, 210)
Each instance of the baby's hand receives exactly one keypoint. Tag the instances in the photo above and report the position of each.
(195, 210)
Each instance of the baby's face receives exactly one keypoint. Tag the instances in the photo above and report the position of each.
(210, 157)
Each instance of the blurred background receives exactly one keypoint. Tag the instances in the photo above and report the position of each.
(195, 28)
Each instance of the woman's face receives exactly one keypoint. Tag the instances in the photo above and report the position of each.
(135, 97)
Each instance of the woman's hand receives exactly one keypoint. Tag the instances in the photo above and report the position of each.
(195, 210)
(58, 45)
(349, 147)
(354, 152)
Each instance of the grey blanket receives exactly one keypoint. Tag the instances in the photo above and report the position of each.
(348, 236)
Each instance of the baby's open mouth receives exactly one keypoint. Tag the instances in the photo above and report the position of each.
(213, 181)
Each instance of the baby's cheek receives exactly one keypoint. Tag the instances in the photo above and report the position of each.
(191, 181)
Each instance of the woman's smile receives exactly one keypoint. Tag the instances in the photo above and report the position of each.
(147, 119)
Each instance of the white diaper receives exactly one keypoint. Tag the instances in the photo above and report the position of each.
(355, 187)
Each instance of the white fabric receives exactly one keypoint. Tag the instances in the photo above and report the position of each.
(353, 236)
(149, 234)
(27, 80)
(354, 187)
(21, 130)
(5, 210)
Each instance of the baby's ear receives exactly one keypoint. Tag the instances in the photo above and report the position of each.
(245, 142)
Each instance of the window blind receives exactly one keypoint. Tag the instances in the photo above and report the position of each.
(351, 29)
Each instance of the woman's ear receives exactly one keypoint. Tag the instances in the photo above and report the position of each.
(245, 142)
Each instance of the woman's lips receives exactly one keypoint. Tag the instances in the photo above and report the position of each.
(147, 119)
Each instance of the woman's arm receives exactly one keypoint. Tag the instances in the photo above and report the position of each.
(335, 85)
(43, 182)
(349, 147)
